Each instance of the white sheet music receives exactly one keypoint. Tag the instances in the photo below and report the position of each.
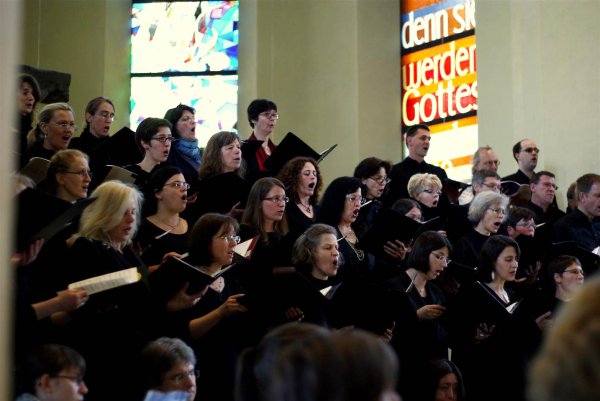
(107, 281)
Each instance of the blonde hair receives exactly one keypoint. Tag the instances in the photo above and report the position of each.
(45, 116)
(105, 213)
(568, 365)
(418, 182)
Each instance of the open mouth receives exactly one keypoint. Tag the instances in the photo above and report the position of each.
(312, 185)
(66, 138)
(184, 197)
(355, 213)
(434, 203)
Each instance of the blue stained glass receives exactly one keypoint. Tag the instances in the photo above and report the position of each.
(184, 36)
(213, 97)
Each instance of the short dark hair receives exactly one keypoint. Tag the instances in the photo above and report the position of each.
(370, 166)
(479, 176)
(571, 192)
(586, 182)
(148, 128)
(425, 243)
(537, 176)
(202, 234)
(517, 149)
(48, 359)
(334, 199)
(160, 356)
(94, 104)
(155, 184)
(490, 251)
(305, 247)
(559, 264)
(258, 106)
(412, 130)
(173, 115)
(516, 214)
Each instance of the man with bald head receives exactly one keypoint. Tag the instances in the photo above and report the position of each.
(526, 154)
(485, 158)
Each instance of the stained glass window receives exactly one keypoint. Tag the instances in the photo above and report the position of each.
(185, 52)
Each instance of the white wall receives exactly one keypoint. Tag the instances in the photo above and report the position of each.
(539, 77)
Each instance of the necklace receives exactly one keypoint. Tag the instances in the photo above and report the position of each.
(308, 207)
(170, 225)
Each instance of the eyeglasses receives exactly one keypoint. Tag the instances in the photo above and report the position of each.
(491, 163)
(381, 180)
(526, 225)
(441, 258)
(230, 238)
(575, 271)
(81, 173)
(550, 185)
(530, 150)
(187, 119)
(432, 192)
(497, 210)
(278, 199)
(493, 187)
(75, 379)
(353, 199)
(107, 115)
(178, 185)
(180, 377)
(164, 139)
(270, 116)
(65, 125)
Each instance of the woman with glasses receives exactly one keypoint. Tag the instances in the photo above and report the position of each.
(262, 116)
(487, 211)
(484, 332)
(264, 216)
(163, 230)
(53, 132)
(339, 208)
(426, 189)
(99, 116)
(68, 176)
(426, 338)
(215, 323)
(373, 173)
(154, 139)
(185, 153)
(303, 182)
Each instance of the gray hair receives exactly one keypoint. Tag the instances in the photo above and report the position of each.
(484, 201)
